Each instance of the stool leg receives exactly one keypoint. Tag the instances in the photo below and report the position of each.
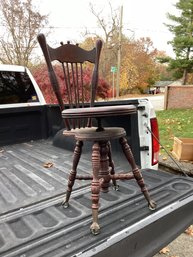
(136, 172)
(111, 164)
(95, 188)
(104, 166)
(72, 176)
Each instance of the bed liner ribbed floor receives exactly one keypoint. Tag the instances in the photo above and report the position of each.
(33, 222)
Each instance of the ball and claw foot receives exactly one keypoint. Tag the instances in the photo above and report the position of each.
(152, 205)
(116, 188)
(65, 204)
(95, 228)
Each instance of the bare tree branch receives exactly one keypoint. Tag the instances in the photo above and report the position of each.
(21, 23)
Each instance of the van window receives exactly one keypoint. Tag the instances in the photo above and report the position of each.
(16, 87)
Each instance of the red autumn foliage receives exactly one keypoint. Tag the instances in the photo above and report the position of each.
(42, 78)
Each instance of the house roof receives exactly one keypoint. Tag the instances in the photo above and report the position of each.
(168, 83)
(163, 83)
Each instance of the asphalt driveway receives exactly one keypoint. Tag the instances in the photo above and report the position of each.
(180, 247)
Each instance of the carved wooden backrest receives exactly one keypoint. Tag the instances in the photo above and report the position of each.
(73, 61)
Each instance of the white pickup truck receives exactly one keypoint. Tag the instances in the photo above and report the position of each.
(33, 222)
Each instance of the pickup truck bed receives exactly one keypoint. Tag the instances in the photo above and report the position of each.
(33, 222)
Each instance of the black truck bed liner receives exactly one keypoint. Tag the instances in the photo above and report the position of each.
(33, 222)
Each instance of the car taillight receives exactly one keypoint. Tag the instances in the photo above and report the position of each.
(155, 141)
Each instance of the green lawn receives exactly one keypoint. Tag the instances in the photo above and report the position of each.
(174, 123)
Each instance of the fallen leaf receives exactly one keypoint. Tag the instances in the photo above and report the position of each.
(164, 158)
(48, 165)
(189, 231)
(164, 250)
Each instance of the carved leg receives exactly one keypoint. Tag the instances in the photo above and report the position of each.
(95, 188)
(111, 164)
(104, 166)
(72, 176)
(136, 172)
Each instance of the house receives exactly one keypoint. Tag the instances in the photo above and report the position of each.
(159, 86)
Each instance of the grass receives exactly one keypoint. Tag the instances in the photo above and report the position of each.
(174, 123)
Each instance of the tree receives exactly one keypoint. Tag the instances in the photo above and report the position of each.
(109, 26)
(21, 23)
(138, 68)
(164, 73)
(182, 43)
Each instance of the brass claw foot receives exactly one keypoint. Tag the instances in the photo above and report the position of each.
(152, 205)
(116, 188)
(95, 228)
(65, 204)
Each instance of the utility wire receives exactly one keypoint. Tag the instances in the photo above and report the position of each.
(179, 167)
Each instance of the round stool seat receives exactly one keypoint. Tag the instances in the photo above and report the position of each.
(91, 134)
(98, 112)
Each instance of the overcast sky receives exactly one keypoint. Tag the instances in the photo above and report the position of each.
(145, 18)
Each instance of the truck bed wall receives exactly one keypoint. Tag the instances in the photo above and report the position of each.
(22, 124)
(32, 123)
